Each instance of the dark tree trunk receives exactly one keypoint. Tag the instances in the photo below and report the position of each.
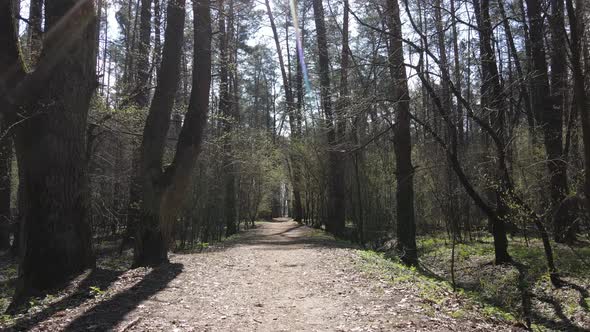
(225, 109)
(336, 199)
(140, 98)
(548, 104)
(406, 224)
(5, 185)
(151, 247)
(142, 93)
(55, 234)
(34, 31)
(521, 77)
(163, 191)
(577, 27)
(557, 165)
(493, 101)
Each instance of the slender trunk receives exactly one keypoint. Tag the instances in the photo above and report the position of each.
(457, 71)
(548, 105)
(493, 101)
(292, 112)
(557, 166)
(577, 27)
(521, 77)
(142, 93)
(406, 224)
(336, 209)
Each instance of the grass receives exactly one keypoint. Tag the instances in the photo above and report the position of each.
(437, 294)
(8, 274)
(565, 308)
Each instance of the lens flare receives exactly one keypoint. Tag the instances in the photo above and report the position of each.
(298, 40)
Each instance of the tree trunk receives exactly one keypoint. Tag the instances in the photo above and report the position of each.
(577, 27)
(56, 240)
(493, 101)
(5, 185)
(336, 208)
(557, 166)
(151, 246)
(292, 112)
(164, 191)
(548, 104)
(406, 224)
(34, 32)
(142, 92)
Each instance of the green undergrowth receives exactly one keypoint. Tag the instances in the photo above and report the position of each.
(436, 295)
(564, 308)
(8, 274)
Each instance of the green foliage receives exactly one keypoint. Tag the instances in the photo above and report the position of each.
(95, 291)
(437, 294)
(499, 285)
(6, 320)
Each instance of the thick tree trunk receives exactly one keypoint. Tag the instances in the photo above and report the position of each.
(406, 224)
(164, 191)
(336, 208)
(55, 233)
(151, 242)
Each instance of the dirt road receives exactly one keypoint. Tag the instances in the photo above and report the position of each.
(280, 276)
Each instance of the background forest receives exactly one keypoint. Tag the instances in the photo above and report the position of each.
(450, 134)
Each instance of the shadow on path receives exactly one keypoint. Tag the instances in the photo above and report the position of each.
(96, 278)
(106, 315)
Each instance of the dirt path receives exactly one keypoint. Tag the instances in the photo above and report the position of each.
(278, 277)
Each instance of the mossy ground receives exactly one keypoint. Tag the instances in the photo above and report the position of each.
(564, 308)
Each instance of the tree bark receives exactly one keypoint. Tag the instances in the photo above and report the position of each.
(164, 190)
(548, 104)
(493, 101)
(5, 185)
(336, 209)
(151, 242)
(577, 27)
(557, 165)
(34, 30)
(142, 93)
(406, 224)
(293, 116)
(55, 235)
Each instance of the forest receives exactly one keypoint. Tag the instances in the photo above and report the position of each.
(294, 165)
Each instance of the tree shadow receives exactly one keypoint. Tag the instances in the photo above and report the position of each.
(530, 315)
(106, 315)
(564, 324)
(584, 294)
(99, 278)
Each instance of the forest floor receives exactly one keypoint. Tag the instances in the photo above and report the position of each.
(279, 276)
